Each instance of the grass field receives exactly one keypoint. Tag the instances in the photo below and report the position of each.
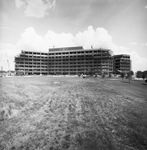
(59, 113)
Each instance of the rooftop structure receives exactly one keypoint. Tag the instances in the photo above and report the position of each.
(66, 48)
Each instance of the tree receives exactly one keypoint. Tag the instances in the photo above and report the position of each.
(122, 75)
(132, 73)
(144, 74)
(110, 75)
(129, 75)
(139, 74)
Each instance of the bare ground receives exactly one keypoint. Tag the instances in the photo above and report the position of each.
(55, 113)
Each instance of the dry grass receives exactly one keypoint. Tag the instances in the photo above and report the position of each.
(53, 113)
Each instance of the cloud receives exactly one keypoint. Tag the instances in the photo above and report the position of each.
(36, 8)
(5, 27)
(145, 7)
(99, 38)
(4, 17)
(19, 3)
(133, 43)
(30, 40)
(138, 63)
(145, 44)
(59, 40)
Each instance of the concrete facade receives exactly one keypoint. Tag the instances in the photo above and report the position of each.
(122, 63)
(30, 63)
(66, 60)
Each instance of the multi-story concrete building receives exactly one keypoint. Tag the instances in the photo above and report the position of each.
(122, 63)
(66, 60)
(31, 63)
(76, 60)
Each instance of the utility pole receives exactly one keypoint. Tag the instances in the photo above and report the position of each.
(8, 65)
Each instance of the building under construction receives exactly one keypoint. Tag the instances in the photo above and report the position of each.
(66, 60)
(122, 63)
(30, 63)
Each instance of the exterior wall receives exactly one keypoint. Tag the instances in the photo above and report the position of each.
(31, 63)
(71, 60)
(91, 61)
(122, 63)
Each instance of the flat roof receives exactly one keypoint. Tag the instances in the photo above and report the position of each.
(27, 51)
(121, 55)
(66, 48)
(76, 48)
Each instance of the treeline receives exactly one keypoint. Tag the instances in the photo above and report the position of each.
(141, 74)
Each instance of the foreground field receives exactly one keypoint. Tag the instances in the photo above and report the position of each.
(55, 113)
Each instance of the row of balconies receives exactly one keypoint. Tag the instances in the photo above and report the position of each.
(88, 67)
(85, 64)
(30, 59)
(31, 62)
(33, 53)
(26, 70)
(81, 60)
(63, 71)
(126, 61)
(41, 67)
(30, 66)
(68, 52)
(68, 63)
(78, 52)
(59, 69)
(78, 64)
(33, 69)
(64, 62)
(54, 59)
(82, 56)
(123, 65)
(32, 56)
(77, 70)
(60, 57)
(45, 70)
(63, 66)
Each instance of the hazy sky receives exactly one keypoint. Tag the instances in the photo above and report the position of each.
(120, 25)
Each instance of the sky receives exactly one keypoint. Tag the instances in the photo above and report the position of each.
(37, 25)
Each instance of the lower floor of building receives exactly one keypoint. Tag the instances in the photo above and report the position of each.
(64, 71)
